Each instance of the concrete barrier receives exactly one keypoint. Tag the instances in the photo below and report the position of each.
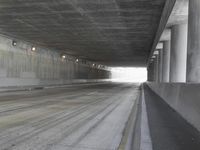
(182, 97)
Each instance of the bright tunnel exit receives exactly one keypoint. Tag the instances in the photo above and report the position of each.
(129, 74)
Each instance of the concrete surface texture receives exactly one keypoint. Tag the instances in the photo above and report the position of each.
(168, 130)
(19, 66)
(182, 97)
(160, 65)
(166, 60)
(114, 32)
(168, 8)
(83, 117)
(179, 13)
(166, 35)
(178, 53)
(193, 53)
(157, 68)
(150, 71)
(175, 12)
(145, 141)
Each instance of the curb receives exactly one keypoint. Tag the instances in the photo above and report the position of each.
(131, 138)
(17, 89)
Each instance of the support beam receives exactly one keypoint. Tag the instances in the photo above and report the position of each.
(193, 53)
(178, 53)
(166, 61)
(164, 18)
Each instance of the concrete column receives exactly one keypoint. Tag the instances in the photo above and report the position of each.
(154, 70)
(178, 53)
(151, 72)
(160, 61)
(166, 61)
(193, 53)
(148, 74)
(156, 66)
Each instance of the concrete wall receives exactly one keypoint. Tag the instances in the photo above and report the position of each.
(183, 97)
(19, 66)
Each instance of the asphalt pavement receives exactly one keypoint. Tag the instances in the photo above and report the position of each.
(86, 117)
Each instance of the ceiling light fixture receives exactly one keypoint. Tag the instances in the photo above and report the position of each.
(63, 56)
(33, 48)
(14, 43)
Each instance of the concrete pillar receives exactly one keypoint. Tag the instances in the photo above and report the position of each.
(148, 74)
(178, 54)
(151, 71)
(193, 53)
(156, 67)
(160, 61)
(166, 61)
(154, 70)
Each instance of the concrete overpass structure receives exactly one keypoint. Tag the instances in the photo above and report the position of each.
(66, 49)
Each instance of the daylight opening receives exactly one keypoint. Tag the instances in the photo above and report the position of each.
(129, 74)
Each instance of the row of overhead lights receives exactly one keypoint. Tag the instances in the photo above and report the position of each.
(14, 43)
(77, 60)
(63, 56)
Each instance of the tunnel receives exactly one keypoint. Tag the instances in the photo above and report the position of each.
(99, 74)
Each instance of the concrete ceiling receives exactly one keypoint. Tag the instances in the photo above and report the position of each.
(110, 32)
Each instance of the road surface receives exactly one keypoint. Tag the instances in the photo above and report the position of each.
(85, 117)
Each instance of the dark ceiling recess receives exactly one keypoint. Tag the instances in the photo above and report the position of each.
(110, 32)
